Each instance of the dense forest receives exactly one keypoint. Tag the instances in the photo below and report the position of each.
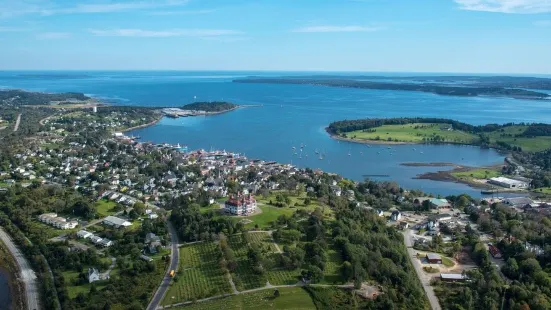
(214, 106)
(447, 90)
(21, 97)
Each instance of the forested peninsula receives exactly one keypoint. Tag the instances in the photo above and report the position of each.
(211, 107)
(471, 90)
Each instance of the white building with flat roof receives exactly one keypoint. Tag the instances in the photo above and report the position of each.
(116, 222)
(508, 183)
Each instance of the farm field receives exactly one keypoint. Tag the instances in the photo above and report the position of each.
(294, 298)
(199, 275)
(413, 133)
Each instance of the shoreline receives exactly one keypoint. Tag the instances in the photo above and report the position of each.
(447, 176)
(383, 142)
(144, 125)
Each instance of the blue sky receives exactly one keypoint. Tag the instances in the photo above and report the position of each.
(491, 36)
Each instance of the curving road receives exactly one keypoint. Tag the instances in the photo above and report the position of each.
(174, 258)
(425, 282)
(27, 274)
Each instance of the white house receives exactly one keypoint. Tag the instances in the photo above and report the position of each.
(93, 275)
(84, 234)
(116, 222)
(396, 215)
(95, 239)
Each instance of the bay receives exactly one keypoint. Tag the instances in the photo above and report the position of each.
(291, 115)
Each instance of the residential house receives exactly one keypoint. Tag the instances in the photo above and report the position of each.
(434, 258)
(396, 215)
(116, 222)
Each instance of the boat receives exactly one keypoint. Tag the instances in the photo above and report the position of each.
(316, 151)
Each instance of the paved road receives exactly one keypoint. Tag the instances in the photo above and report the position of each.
(16, 127)
(165, 284)
(27, 274)
(429, 290)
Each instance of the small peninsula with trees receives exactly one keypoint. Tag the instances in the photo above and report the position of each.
(211, 107)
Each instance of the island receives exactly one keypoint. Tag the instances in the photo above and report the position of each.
(439, 86)
(510, 137)
(200, 108)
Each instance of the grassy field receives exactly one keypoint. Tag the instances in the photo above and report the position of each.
(544, 190)
(332, 266)
(414, 133)
(447, 262)
(483, 173)
(105, 207)
(74, 290)
(199, 274)
(289, 298)
(418, 133)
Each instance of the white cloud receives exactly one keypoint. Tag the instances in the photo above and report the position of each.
(28, 7)
(336, 29)
(188, 12)
(163, 33)
(506, 6)
(542, 23)
(53, 35)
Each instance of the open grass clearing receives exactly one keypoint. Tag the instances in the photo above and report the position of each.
(71, 276)
(413, 133)
(447, 262)
(290, 298)
(105, 207)
(482, 173)
(199, 274)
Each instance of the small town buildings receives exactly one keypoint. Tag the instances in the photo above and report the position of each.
(518, 201)
(453, 277)
(437, 203)
(146, 258)
(56, 221)
(105, 243)
(396, 215)
(116, 222)
(403, 225)
(95, 239)
(240, 205)
(434, 258)
(83, 234)
(508, 183)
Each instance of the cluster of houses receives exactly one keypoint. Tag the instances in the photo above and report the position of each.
(104, 242)
(57, 221)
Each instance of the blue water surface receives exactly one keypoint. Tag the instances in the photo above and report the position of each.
(291, 115)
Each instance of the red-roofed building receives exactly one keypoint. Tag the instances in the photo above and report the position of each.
(240, 205)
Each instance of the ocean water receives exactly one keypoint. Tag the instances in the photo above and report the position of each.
(291, 115)
(5, 298)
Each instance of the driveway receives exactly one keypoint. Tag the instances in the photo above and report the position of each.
(425, 280)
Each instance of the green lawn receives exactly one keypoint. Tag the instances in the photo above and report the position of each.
(199, 274)
(527, 144)
(290, 298)
(332, 267)
(39, 228)
(483, 173)
(74, 290)
(415, 133)
(447, 262)
(105, 207)
(544, 190)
